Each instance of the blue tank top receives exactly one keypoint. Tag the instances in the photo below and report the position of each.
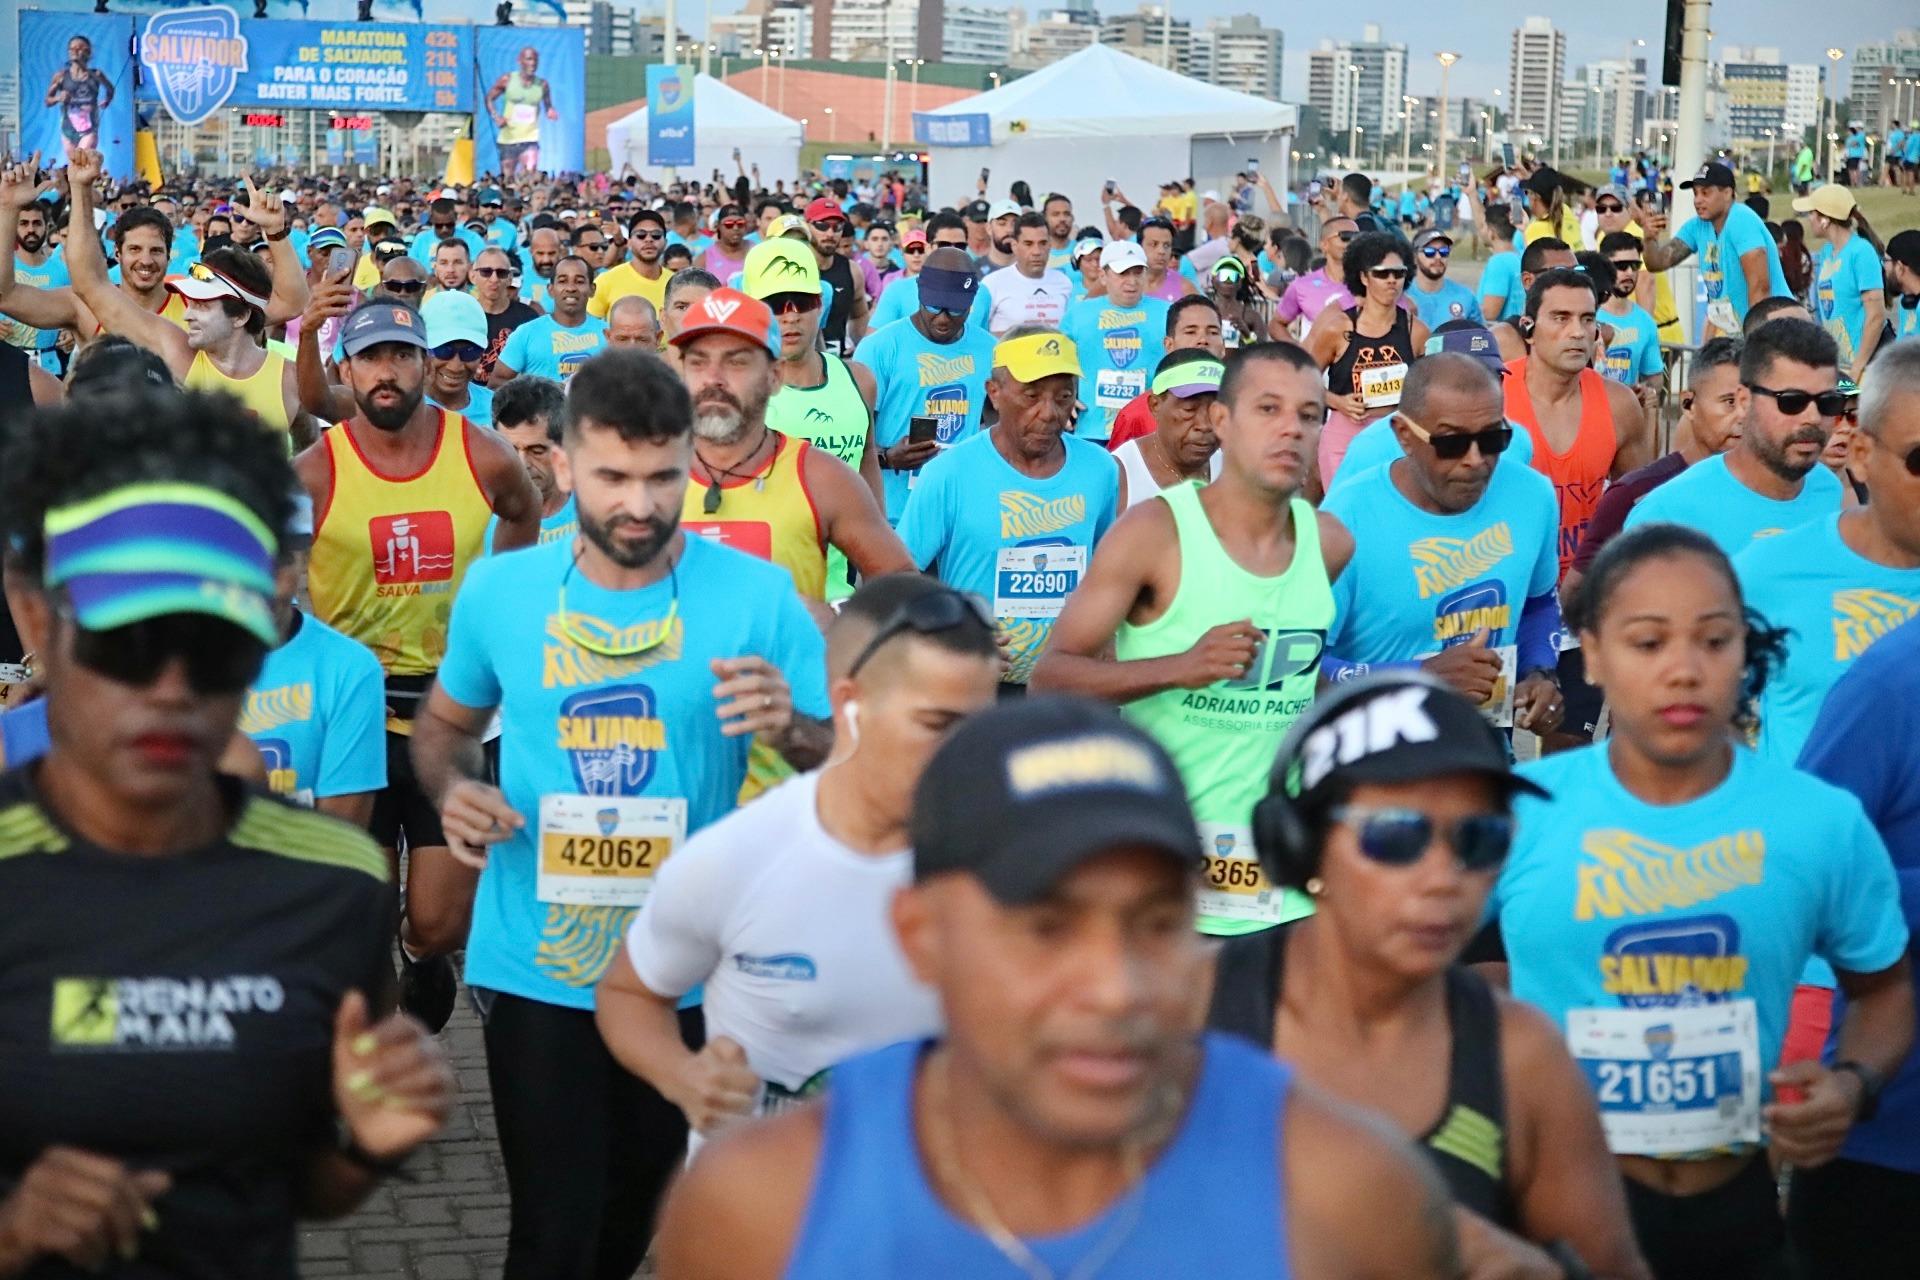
(1212, 1197)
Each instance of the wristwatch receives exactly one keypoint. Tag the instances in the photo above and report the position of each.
(1871, 1083)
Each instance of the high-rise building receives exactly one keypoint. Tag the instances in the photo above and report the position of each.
(890, 30)
(1536, 72)
(1052, 34)
(1879, 73)
(1370, 96)
(1612, 105)
(1146, 33)
(783, 26)
(976, 34)
(1240, 53)
(1765, 97)
(610, 28)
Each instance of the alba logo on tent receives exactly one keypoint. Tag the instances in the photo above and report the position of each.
(196, 57)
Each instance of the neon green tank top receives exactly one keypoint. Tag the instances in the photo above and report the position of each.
(520, 104)
(1223, 738)
(835, 417)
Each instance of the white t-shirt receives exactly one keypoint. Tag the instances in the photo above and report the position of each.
(788, 929)
(1019, 299)
(1140, 482)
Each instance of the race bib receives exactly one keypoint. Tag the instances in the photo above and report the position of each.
(1720, 316)
(1380, 385)
(81, 119)
(1498, 708)
(603, 851)
(1116, 388)
(1034, 582)
(1233, 887)
(524, 113)
(1672, 1080)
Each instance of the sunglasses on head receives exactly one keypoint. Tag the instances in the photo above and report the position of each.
(1830, 404)
(926, 615)
(1436, 251)
(404, 287)
(464, 352)
(1401, 837)
(1453, 446)
(219, 657)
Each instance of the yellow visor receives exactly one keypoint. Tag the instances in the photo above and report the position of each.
(1037, 356)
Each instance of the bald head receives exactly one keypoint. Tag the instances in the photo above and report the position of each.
(1446, 375)
(633, 322)
(1215, 220)
(949, 259)
(544, 238)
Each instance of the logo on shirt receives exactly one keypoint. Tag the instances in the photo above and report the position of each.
(277, 755)
(1626, 874)
(1862, 615)
(1123, 347)
(938, 368)
(413, 548)
(788, 967)
(1688, 961)
(270, 708)
(1023, 515)
(565, 664)
(1481, 606)
(1442, 564)
(755, 537)
(612, 739)
(94, 1015)
(949, 406)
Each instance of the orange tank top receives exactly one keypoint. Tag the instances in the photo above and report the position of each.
(768, 514)
(1579, 474)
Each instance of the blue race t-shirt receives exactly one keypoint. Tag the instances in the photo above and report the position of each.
(1719, 252)
(575, 723)
(318, 714)
(23, 735)
(479, 406)
(1836, 603)
(1839, 281)
(1451, 301)
(1018, 541)
(1856, 146)
(1708, 497)
(1867, 741)
(502, 234)
(918, 377)
(1119, 347)
(1377, 445)
(1634, 352)
(425, 242)
(1501, 279)
(1420, 582)
(901, 298)
(51, 274)
(544, 347)
(563, 523)
(1665, 940)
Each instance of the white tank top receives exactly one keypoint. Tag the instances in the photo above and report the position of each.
(1140, 482)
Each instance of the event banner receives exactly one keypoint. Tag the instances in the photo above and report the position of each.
(530, 114)
(76, 87)
(669, 115)
(972, 129)
(198, 60)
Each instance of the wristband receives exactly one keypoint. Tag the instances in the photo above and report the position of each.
(348, 1147)
(1871, 1083)
(284, 233)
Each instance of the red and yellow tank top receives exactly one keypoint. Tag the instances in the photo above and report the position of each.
(173, 308)
(389, 552)
(1579, 474)
(769, 515)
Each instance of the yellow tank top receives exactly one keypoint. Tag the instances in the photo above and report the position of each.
(389, 553)
(263, 393)
(174, 309)
(769, 515)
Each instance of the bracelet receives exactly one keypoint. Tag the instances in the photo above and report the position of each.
(284, 233)
(1871, 1084)
(348, 1147)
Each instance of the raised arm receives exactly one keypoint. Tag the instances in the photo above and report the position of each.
(269, 215)
(87, 265)
(319, 395)
(1663, 255)
(41, 308)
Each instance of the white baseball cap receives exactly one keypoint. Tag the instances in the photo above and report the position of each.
(1122, 255)
(1004, 209)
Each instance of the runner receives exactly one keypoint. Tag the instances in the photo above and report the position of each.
(456, 343)
(401, 494)
(848, 306)
(1903, 272)
(930, 375)
(443, 225)
(142, 534)
(1632, 356)
(24, 233)
(1083, 267)
(1436, 299)
(646, 633)
(1379, 1009)
(1365, 349)
(1503, 294)
(1849, 289)
(1183, 446)
(1163, 282)
(1771, 479)
(642, 272)
(1071, 1122)
(1111, 332)
(1661, 905)
(1058, 211)
(1457, 572)
(1193, 324)
(728, 252)
(1214, 604)
(793, 893)
(543, 251)
(80, 91)
(1739, 263)
(632, 322)
(529, 413)
(1028, 292)
(556, 345)
(452, 266)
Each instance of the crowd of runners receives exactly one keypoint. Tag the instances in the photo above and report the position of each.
(1033, 739)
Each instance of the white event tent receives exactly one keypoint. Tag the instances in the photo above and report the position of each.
(723, 118)
(1102, 115)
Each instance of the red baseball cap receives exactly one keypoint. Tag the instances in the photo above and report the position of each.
(730, 311)
(823, 209)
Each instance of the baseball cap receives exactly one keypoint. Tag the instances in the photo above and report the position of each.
(372, 323)
(326, 238)
(203, 283)
(1081, 248)
(786, 224)
(947, 289)
(451, 316)
(1710, 175)
(1463, 337)
(374, 214)
(1427, 237)
(730, 311)
(1037, 356)
(915, 236)
(488, 196)
(825, 210)
(1122, 255)
(976, 211)
(1181, 375)
(1615, 190)
(1833, 201)
(158, 548)
(1397, 726)
(779, 266)
(1025, 792)
(1004, 209)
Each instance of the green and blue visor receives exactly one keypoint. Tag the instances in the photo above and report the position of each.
(1194, 378)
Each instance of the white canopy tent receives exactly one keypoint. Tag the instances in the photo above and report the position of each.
(723, 118)
(1103, 115)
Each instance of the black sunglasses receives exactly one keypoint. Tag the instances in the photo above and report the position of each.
(782, 303)
(1609, 208)
(926, 615)
(464, 352)
(404, 287)
(1401, 837)
(220, 658)
(1830, 404)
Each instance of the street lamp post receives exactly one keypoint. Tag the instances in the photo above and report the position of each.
(1407, 104)
(1833, 56)
(1353, 108)
(1773, 136)
(1440, 150)
(886, 126)
(782, 55)
(833, 134)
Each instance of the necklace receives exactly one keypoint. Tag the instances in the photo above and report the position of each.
(1167, 465)
(711, 503)
(944, 1148)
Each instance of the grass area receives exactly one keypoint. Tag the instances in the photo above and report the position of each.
(1886, 208)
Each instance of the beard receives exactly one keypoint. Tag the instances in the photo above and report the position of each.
(1774, 457)
(389, 417)
(31, 241)
(1624, 289)
(719, 418)
(1003, 246)
(628, 555)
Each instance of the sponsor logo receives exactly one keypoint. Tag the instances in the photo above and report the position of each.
(1283, 654)
(612, 738)
(719, 310)
(1123, 347)
(415, 547)
(152, 1014)
(1022, 515)
(1442, 564)
(1458, 616)
(1690, 960)
(1366, 730)
(1096, 760)
(270, 708)
(1626, 874)
(788, 967)
(195, 57)
(1863, 615)
(277, 755)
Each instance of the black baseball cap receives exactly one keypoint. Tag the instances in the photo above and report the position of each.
(1025, 792)
(1710, 175)
(1389, 728)
(977, 211)
(372, 323)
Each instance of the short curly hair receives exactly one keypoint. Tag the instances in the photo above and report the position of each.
(1368, 250)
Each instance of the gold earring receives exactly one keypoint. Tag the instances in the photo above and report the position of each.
(1315, 886)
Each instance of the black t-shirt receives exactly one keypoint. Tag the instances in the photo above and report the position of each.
(498, 329)
(840, 274)
(176, 1013)
(16, 401)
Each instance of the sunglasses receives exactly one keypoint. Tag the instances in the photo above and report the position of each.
(464, 352)
(405, 287)
(1345, 237)
(1830, 404)
(932, 310)
(913, 248)
(651, 636)
(1401, 837)
(1493, 441)
(832, 224)
(1436, 251)
(733, 224)
(648, 235)
(493, 273)
(220, 659)
(926, 615)
(1387, 273)
(782, 304)
(949, 244)
(1610, 208)
(442, 226)
(1627, 264)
